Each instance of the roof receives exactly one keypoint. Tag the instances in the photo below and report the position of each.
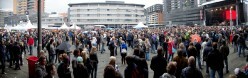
(116, 3)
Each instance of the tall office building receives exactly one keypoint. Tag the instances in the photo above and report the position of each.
(154, 15)
(23, 6)
(110, 13)
(181, 12)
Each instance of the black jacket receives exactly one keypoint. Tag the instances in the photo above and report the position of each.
(158, 65)
(191, 72)
(215, 60)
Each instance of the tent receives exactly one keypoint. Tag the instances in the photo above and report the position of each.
(140, 25)
(18, 27)
(64, 27)
(30, 26)
(75, 27)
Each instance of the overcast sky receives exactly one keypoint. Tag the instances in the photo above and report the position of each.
(62, 5)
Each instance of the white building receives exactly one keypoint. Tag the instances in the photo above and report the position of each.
(53, 20)
(110, 13)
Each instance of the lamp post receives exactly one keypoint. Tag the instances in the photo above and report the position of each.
(39, 28)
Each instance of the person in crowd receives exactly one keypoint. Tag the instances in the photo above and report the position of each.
(171, 70)
(87, 62)
(215, 62)
(112, 46)
(170, 50)
(2, 56)
(183, 48)
(165, 47)
(192, 51)
(158, 64)
(109, 72)
(40, 69)
(181, 62)
(9, 49)
(142, 65)
(147, 48)
(241, 45)
(203, 45)
(74, 61)
(224, 49)
(31, 44)
(51, 71)
(81, 70)
(239, 73)
(131, 70)
(123, 52)
(206, 51)
(103, 42)
(17, 55)
(198, 53)
(94, 41)
(63, 68)
(52, 52)
(191, 71)
(94, 62)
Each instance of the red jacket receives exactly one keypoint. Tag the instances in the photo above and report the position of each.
(30, 41)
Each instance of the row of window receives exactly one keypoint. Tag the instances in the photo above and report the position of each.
(111, 5)
(106, 10)
(106, 15)
(105, 20)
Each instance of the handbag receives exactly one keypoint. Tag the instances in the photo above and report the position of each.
(123, 51)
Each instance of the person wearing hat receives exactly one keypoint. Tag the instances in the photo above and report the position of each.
(81, 70)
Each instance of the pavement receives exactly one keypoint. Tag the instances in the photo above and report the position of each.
(233, 59)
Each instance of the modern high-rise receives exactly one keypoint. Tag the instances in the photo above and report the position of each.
(181, 12)
(23, 6)
(154, 15)
(110, 14)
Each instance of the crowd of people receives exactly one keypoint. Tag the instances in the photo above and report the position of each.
(193, 47)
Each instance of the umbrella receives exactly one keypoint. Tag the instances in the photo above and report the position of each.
(195, 37)
(64, 46)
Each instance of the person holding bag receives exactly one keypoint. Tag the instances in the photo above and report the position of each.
(123, 52)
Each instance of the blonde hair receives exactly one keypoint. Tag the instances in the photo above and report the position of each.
(181, 46)
(112, 60)
(93, 50)
(84, 56)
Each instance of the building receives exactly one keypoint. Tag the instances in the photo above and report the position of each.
(3, 17)
(225, 12)
(23, 6)
(110, 13)
(154, 15)
(54, 20)
(182, 12)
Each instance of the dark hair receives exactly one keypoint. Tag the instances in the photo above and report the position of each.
(180, 52)
(75, 53)
(49, 68)
(160, 51)
(136, 52)
(109, 72)
(171, 68)
(129, 59)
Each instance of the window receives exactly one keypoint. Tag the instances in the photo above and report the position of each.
(107, 9)
(109, 19)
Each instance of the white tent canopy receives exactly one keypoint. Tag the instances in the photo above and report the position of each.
(140, 25)
(19, 27)
(75, 27)
(30, 26)
(64, 27)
